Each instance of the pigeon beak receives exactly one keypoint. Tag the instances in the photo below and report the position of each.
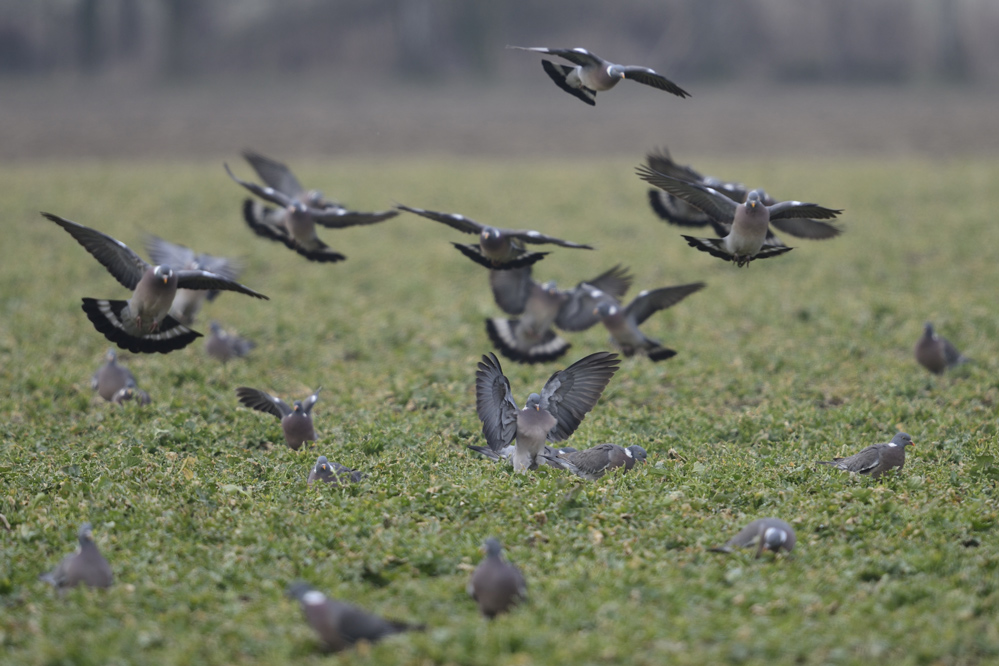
(323, 467)
(537, 407)
(165, 279)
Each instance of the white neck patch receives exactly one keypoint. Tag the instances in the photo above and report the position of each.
(771, 530)
(314, 598)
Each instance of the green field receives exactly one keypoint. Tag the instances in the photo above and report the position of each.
(205, 515)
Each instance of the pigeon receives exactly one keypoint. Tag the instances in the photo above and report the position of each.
(594, 462)
(590, 74)
(675, 210)
(876, 459)
(115, 383)
(498, 248)
(332, 473)
(294, 223)
(296, 421)
(577, 311)
(339, 625)
(765, 533)
(497, 585)
(547, 455)
(278, 176)
(747, 225)
(142, 324)
(552, 415)
(936, 353)
(623, 322)
(224, 346)
(86, 565)
(187, 303)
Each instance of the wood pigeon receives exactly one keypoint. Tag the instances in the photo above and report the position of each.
(765, 533)
(875, 459)
(86, 565)
(496, 584)
(296, 420)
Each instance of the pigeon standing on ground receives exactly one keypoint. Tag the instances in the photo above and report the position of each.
(498, 248)
(876, 459)
(747, 224)
(294, 222)
(553, 415)
(187, 303)
(224, 346)
(590, 74)
(296, 420)
(341, 625)
(936, 353)
(332, 473)
(765, 533)
(594, 462)
(86, 565)
(497, 585)
(142, 324)
(115, 383)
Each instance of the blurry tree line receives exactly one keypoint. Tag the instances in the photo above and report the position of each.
(779, 40)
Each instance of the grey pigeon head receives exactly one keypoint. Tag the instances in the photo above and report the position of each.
(639, 453)
(493, 547)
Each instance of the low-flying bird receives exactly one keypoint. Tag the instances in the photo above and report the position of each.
(86, 565)
(340, 626)
(593, 463)
(224, 346)
(747, 225)
(936, 353)
(590, 74)
(296, 420)
(770, 534)
(142, 324)
(116, 383)
(332, 473)
(294, 222)
(188, 302)
(498, 248)
(875, 459)
(496, 584)
(551, 416)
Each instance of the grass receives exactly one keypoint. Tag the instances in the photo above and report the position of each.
(205, 515)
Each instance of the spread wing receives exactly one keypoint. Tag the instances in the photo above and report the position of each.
(650, 77)
(453, 220)
(275, 174)
(264, 402)
(569, 394)
(494, 403)
(712, 202)
(576, 56)
(270, 194)
(785, 210)
(195, 279)
(648, 303)
(125, 265)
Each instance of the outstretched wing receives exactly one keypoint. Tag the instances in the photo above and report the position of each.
(569, 394)
(261, 401)
(453, 220)
(712, 202)
(649, 302)
(494, 403)
(276, 174)
(125, 265)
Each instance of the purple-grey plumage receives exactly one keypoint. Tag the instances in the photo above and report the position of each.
(770, 534)
(296, 419)
(876, 459)
(338, 625)
(936, 353)
(623, 322)
(593, 463)
(547, 456)
(116, 383)
(332, 473)
(224, 346)
(86, 565)
(496, 584)
(187, 303)
(590, 73)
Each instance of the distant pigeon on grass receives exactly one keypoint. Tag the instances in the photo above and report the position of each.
(747, 225)
(765, 534)
(294, 222)
(332, 473)
(296, 420)
(553, 415)
(142, 324)
(876, 459)
(188, 302)
(224, 346)
(86, 565)
(340, 626)
(935, 352)
(116, 383)
(496, 584)
(594, 462)
(498, 248)
(590, 74)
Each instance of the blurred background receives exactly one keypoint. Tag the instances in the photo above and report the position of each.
(154, 79)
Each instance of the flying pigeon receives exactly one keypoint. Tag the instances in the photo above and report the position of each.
(224, 346)
(86, 565)
(747, 225)
(339, 625)
(590, 73)
(594, 462)
(142, 324)
(765, 533)
(115, 383)
(498, 248)
(294, 222)
(623, 322)
(936, 353)
(675, 210)
(332, 473)
(296, 421)
(496, 584)
(551, 416)
(187, 303)
(875, 459)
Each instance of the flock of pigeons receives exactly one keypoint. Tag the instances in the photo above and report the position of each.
(168, 294)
